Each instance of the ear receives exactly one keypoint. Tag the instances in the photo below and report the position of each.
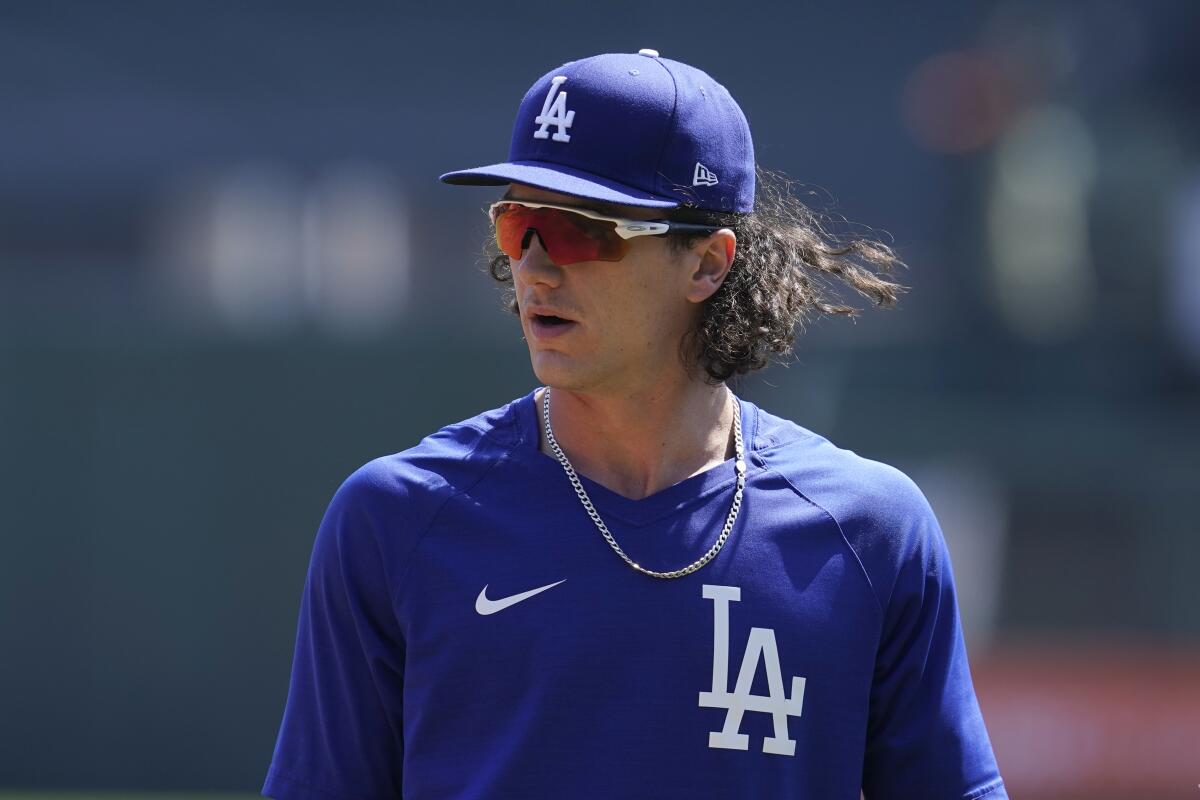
(712, 258)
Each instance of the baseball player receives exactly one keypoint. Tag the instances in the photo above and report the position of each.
(631, 583)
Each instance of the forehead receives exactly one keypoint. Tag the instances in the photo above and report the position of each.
(519, 191)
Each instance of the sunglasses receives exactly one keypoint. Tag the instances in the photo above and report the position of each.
(570, 235)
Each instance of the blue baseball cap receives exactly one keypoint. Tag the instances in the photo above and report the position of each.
(637, 130)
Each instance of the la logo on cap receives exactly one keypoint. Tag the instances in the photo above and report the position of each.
(554, 112)
(660, 134)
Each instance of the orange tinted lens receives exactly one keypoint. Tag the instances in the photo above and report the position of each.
(569, 238)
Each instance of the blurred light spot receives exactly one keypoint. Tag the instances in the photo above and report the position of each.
(1183, 277)
(957, 102)
(258, 251)
(1043, 280)
(255, 249)
(356, 251)
(973, 510)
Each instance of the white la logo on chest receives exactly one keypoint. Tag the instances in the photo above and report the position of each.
(760, 645)
(554, 112)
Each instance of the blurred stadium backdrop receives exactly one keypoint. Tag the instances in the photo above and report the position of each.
(228, 277)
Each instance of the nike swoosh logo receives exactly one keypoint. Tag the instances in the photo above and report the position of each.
(485, 606)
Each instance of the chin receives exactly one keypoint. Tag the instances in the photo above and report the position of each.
(559, 371)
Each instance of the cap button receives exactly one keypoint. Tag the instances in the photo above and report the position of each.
(646, 51)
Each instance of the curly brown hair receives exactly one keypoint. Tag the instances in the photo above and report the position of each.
(785, 271)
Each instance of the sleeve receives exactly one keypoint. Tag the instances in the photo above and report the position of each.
(926, 737)
(341, 735)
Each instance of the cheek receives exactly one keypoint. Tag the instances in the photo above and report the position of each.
(638, 300)
(650, 309)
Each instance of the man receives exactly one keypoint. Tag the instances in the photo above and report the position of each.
(631, 583)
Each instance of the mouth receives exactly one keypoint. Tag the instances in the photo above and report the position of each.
(550, 319)
(548, 326)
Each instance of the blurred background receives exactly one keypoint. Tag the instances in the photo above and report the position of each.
(229, 276)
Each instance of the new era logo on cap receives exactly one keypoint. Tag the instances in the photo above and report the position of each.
(703, 176)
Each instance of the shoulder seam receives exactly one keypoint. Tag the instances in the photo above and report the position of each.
(857, 558)
(442, 505)
(776, 444)
(487, 434)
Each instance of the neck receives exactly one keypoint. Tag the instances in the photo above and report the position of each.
(641, 442)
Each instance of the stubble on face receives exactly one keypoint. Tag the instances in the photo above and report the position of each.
(631, 314)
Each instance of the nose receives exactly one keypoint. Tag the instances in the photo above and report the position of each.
(534, 265)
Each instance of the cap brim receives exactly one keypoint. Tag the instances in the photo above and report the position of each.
(557, 178)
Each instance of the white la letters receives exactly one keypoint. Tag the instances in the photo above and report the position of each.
(760, 645)
(554, 112)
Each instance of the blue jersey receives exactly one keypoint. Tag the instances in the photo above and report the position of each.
(466, 632)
